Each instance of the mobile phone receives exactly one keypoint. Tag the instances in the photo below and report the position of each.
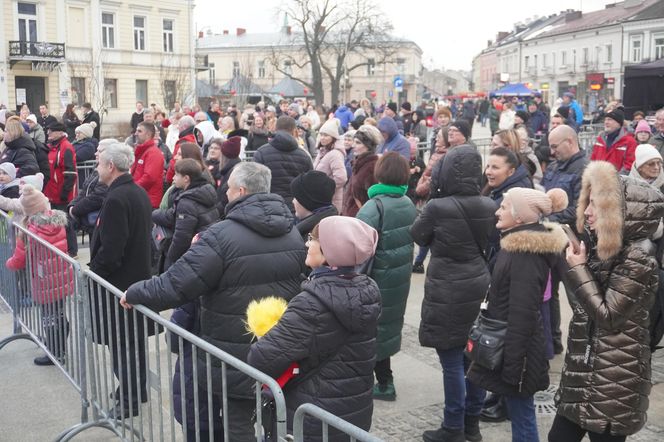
(573, 239)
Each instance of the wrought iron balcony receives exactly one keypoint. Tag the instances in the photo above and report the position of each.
(202, 63)
(36, 51)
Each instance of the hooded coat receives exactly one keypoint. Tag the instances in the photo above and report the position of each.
(606, 377)
(331, 163)
(255, 252)
(51, 279)
(194, 210)
(285, 160)
(204, 132)
(457, 276)
(22, 153)
(393, 264)
(330, 327)
(395, 141)
(519, 278)
(344, 115)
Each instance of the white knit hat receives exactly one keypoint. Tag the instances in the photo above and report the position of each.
(645, 153)
(32, 118)
(87, 129)
(331, 128)
(36, 181)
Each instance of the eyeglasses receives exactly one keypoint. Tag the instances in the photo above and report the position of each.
(555, 145)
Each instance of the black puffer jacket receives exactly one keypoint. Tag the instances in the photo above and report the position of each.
(457, 276)
(518, 282)
(221, 180)
(286, 161)
(90, 198)
(194, 209)
(21, 153)
(255, 252)
(331, 328)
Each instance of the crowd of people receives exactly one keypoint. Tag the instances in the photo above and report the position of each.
(204, 212)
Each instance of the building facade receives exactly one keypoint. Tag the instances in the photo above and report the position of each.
(254, 55)
(107, 52)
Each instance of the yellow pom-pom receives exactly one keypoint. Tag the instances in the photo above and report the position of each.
(263, 314)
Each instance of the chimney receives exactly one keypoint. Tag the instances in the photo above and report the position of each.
(225, 31)
(200, 34)
(574, 15)
(489, 43)
(501, 35)
(240, 31)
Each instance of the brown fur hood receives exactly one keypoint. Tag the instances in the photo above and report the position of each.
(627, 209)
(550, 239)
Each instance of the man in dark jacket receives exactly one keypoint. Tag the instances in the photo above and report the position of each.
(537, 121)
(90, 115)
(255, 252)
(565, 173)
(45, 119)
(284, 158)
(136, 117)
(312, 198)
(120, 253)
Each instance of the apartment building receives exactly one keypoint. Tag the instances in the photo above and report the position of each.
(110, 53)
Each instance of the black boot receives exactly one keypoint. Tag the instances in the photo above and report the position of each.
(443, 435)
(494, 409)
(472, 428)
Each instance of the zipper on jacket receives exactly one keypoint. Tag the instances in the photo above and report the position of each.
(523, 372)
(589, 343)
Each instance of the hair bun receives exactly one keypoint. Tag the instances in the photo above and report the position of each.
(559, 200)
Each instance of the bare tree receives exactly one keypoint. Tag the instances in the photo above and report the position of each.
(173, 80)
(92, 68)
(336, 37)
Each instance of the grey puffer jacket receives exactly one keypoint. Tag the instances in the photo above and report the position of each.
(330, 330)
(606, 377)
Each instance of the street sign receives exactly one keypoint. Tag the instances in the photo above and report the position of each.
(398, 82)
(390, 93)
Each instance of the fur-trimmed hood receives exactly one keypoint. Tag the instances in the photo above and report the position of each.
(535, 238)
(627, 209)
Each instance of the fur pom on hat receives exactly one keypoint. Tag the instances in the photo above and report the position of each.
(263, 314)
(531, 205)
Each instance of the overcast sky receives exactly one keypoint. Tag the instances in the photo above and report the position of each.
(449, 32)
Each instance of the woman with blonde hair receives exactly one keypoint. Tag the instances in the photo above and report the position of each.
(20, 149)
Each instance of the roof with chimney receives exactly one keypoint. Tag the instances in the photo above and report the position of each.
(652, 12)
(615, 13)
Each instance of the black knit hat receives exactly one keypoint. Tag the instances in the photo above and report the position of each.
(616, 115)
(406, 106)
(57, 127)
(463, 127)
(523, 115)
(313, 190)
(393, 106)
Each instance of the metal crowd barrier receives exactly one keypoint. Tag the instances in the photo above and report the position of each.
(84, 170)
(328, 420)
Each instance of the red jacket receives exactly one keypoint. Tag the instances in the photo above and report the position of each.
(62, 161)
(622, 151)
(187, 138)
(148, 170)
(51, 276)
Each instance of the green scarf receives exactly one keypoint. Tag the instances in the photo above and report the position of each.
(387, 189)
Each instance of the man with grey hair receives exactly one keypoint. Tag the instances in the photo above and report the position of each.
(657, 140)
(120, 253)
(253, 253)
(186, 126)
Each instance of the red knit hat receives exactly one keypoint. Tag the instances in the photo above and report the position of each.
(231, 147)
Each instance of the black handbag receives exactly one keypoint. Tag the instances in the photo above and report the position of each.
(486, 341)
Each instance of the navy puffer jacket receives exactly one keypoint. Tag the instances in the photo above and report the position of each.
(330, 330)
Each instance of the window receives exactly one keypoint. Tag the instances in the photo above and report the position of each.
(563, 58)
(139, 33)
(544, 61)
(168, 35)
(526, 61)
(371, 67)
(584, 59)
(288, 68)
(401, 65)
(553, 59)
(170, 93)
(236, 68)
(535, 61)
(261, 69)
(609, 53)
(111, 92)
(142, 91)
(658, 44)
(107, 30)
(27, 25)
(213, 75)
(635, 44)
(78, 91)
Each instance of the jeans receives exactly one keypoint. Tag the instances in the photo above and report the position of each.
(421, 255)
(383, 372)
(522, 416)
(461, 396)
(564, 430)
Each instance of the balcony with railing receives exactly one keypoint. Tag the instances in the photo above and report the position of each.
(36, 51)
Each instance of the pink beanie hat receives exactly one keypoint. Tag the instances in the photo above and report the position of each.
(346, 241)
(33, 201)
(531, 205)
(643, 126)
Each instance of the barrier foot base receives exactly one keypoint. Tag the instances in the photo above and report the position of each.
(15, 337)
(71, 432)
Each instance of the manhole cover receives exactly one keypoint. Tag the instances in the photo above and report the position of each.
(544, 401)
